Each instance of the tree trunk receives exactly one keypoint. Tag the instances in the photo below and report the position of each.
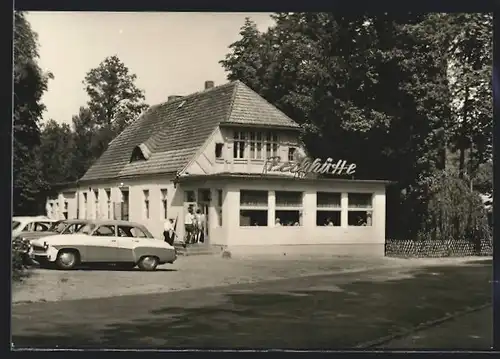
(461, 162)
(463, 135)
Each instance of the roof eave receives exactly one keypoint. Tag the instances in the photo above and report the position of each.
(188, 178)
(255, 125)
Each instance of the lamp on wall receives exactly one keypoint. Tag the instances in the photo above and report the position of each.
(176, 179)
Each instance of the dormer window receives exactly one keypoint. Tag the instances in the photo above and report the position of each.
(255, 145)
(218, 150)
(140, 153)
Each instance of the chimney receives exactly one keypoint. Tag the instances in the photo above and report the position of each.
(209, 85)
(173, 98)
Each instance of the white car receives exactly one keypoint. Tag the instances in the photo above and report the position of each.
(123, 243)
(30, 224)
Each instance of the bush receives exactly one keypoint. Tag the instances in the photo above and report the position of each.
(19, 250)
(454, 212)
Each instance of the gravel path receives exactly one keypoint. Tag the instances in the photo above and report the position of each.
(196, 272)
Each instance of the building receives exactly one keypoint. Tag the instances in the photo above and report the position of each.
(228, 152)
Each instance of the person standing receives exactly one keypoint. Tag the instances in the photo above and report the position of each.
(189, 225)
(168, 231)
(201, 220)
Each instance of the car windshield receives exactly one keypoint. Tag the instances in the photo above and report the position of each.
(86, 229)
(15, 224)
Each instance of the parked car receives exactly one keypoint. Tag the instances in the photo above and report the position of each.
(30, 224)
(124, 243)
(65, 226)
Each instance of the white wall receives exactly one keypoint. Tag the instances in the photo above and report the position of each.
(136, 202)
(309, 232)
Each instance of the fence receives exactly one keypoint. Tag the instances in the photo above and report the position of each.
(436, 249)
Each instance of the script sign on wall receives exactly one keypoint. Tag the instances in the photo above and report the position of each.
(306, 165)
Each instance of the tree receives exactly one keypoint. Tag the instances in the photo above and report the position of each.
(114, 102)
(471, 53)
(29, 85)
(369, 89)
(84, 131)
(55, 152)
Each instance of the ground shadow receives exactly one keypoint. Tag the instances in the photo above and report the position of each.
(355, 313)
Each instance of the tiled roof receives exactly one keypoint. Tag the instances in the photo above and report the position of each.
(171, 133)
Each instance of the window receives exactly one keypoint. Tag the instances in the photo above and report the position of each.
(72, 228)
(190, 196)
(86, 229)
(65, 209)
(271, 144)
(288, 208)
(58, 226)
(360, 209)
(105, 231)
(164, 203)
(40, 227)
(328, 209)
(291, 154)
(132, 232)
(253, 208)
(96, 196)
(84, 204)
(146, 203)
(218, 150)
(257, 143)
(125, 204)
(108, 204)
(239, 145)
(15, 224)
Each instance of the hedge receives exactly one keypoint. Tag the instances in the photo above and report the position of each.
(436, 248)
(19, 248)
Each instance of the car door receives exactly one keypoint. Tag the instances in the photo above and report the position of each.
(102, 244)
(126, 243)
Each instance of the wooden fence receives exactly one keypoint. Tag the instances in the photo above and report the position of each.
(436, 249)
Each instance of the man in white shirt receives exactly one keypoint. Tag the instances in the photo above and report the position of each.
(188, 225)
(168, 231)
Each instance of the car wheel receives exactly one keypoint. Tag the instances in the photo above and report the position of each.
(66, 259)
(148, 263)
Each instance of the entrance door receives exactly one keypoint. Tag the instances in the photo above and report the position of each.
(203, 205)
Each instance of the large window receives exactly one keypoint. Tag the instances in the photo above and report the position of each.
(288, 208)
(164, 194)
(239, 145)
(328, 209)
(360, 209)
(84, 205)
(108, 204)
(146, 203)
(96, 196)
(253, 208)
(255, 145)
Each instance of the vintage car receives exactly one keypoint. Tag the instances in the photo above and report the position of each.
(30, 224)
(122, 243)
(65, 226)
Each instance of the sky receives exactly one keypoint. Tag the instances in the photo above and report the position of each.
(171, 53)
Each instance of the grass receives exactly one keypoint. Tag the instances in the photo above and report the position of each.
(354, 313)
